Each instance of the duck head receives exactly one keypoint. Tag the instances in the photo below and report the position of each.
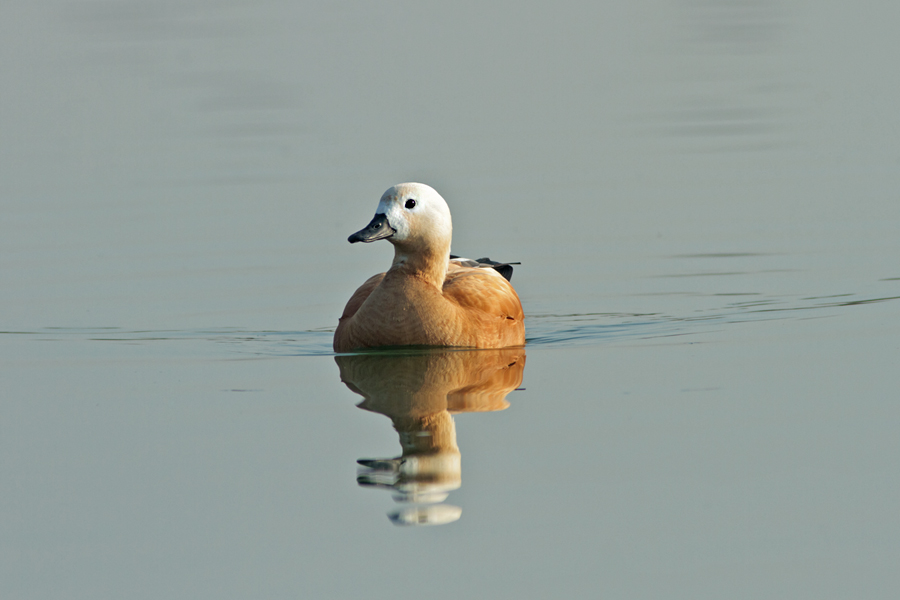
(413, 217)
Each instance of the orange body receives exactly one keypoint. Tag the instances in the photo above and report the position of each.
(473, 307)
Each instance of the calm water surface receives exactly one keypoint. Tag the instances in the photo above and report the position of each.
(703, 196)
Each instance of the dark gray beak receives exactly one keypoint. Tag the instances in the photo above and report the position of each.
(378, 229)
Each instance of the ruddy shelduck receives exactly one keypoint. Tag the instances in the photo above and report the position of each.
(427, 298)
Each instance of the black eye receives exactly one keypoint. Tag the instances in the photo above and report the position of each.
(410, 203)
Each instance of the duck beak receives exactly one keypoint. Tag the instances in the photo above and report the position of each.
(378, 229)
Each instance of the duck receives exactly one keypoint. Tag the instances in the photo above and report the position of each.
(427, 297)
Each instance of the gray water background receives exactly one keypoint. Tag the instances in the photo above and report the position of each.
(704, 196)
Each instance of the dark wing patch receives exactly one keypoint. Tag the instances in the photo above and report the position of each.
(504, 269)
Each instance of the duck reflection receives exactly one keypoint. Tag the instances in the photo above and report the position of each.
(420, 391)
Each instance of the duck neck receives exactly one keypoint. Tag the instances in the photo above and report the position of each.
(429, 265)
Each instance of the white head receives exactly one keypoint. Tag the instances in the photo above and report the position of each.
(413, 217)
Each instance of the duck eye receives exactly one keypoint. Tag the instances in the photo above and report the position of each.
(410, 203)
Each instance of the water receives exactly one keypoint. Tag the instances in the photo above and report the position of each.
(703, 196)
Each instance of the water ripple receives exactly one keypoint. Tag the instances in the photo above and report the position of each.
(548, 330)
(597, 328)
